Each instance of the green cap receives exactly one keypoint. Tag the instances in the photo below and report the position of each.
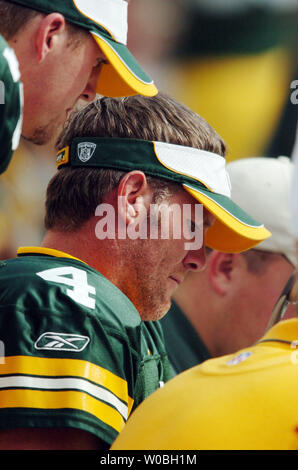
(202, 174)
(11, 104)
(106, 20)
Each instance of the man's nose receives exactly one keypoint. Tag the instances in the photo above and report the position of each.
(89, 93)
(195, 260)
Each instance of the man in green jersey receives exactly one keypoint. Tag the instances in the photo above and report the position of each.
(123, 227)
(67, 51)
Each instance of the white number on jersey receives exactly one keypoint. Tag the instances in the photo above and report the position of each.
(78, 281)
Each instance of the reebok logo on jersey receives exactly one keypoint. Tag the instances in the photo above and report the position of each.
(86, 150)
(62, 342)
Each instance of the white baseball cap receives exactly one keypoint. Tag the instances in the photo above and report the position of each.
(262, 186)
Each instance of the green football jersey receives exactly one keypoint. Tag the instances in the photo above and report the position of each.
(76, 353)
(184, 346)
(11, 104)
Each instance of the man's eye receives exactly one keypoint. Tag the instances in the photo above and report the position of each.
(209, 222)
(192, 226)
(100, 62)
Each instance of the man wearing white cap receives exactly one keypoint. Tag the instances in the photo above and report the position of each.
(67, 50)
(227, 306)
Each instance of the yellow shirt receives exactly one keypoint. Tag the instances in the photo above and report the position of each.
(247, 400)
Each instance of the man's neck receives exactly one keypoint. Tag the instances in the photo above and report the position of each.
(82, 244)
(75, 244)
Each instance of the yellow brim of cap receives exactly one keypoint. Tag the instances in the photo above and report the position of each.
(116, 79)
(228, 234)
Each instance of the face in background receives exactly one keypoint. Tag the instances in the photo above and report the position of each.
(157, 267)
(248, 301)
(63, 70)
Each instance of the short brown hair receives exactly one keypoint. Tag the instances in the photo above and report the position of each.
(257, 261)
(74, 194)
(14, 17)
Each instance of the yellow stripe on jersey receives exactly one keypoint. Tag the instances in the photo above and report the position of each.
(62, 399)
(76, 368)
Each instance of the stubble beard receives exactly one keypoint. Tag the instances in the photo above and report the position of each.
(44, 134)
(150, 301)
(146, 291)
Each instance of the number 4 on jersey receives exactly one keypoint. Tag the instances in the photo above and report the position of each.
(75, 278)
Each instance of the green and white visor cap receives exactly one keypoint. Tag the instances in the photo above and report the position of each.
(202, 174)
(107, 21)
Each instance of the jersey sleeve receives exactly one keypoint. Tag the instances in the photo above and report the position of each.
(62, 366)
(11, 104)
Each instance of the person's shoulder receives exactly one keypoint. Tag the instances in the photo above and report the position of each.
(260, 360)
(241, 401)
(3, 45)
(11, 103)
(38, 283)
(246, 373)
(58, 284)
(9, 66)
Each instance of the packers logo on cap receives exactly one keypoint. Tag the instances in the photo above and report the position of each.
(202, 174)
(106, 20)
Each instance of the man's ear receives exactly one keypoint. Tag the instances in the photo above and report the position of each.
(134, 197)
(48, 33)
(221, 268)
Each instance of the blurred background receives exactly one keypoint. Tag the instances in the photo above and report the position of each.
(234, 62)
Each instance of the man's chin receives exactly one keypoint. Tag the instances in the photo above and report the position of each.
(165, 310)
(38, 138)
(157, 313)
(32, 140)
(42, 135)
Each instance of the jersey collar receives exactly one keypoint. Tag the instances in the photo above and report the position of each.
(39, 250)
(285, 331)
